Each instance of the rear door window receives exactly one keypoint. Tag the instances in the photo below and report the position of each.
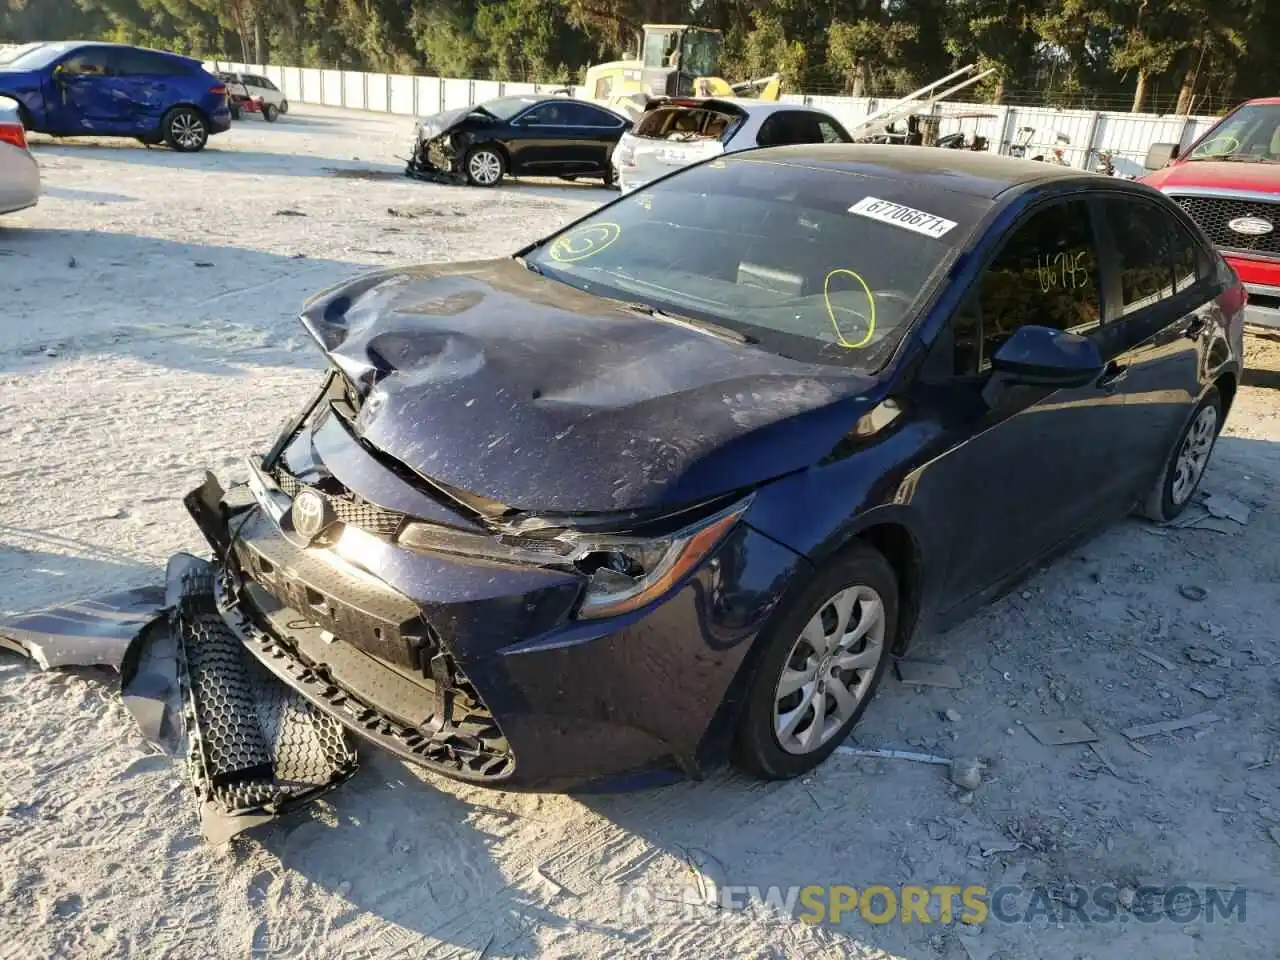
(799, 126)
(143, 63)
(1143, 235)
(585, 115)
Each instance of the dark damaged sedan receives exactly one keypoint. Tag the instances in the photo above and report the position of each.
(677, 482)
(520, 136)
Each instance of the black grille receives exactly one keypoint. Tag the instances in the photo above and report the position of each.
(1212, 214)
(347, 507)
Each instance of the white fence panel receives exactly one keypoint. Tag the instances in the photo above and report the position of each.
(312, 91)
(519, 89)
(486, 90)
(457, 93)
(378, 92)
(402, 96)
(331, 88)
(429, 98)
(353, 87)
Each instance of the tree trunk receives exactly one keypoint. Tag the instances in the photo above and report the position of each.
(259, 51)
(1140, 92)
(1186, 95)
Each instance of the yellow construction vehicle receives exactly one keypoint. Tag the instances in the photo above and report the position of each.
(675, 60)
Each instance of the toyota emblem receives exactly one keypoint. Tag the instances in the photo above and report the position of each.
(1251, 226)
(311, 514)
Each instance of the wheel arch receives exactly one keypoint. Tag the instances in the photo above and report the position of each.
(897, 543)
(1226, 384)
(204, 114)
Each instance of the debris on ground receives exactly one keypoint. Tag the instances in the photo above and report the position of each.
(1227, 508)
(966, 773)
(1156, 659)
(924, 674)
(951, 715)
(288, 213)
(1207, 689)
(1055, 733)
(1142, 731)
(894, 755)
(1201, 655)
(1192, 592)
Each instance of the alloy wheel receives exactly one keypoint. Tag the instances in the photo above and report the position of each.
(485, 167)
(830, 669)
(188, 130)
(1193, 454)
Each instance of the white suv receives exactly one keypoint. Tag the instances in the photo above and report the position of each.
(261, 88)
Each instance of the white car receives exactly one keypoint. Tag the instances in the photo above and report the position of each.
(258, 87)
(675, 132)
(19, 174)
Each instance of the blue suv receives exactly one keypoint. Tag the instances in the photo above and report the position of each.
(108, 89)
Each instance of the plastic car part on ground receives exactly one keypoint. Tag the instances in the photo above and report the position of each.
(254, 748)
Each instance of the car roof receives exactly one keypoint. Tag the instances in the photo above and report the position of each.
(1262, 102)
(959, 171)
(67, 46)
(748, 105)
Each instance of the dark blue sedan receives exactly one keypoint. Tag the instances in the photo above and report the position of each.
(677, 482)
(106, 89)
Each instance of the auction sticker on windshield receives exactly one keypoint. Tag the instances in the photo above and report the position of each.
(906, 217)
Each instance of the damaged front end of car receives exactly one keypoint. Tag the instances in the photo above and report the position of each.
(439, 149)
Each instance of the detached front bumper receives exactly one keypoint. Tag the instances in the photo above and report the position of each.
(477, 670)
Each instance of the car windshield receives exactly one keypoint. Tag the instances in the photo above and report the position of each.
(33, 56)
(504, 108)
(1251, 133)
(817, 264)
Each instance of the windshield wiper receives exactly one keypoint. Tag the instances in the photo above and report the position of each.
(529, 265)
(1238, 158)
(703, 326)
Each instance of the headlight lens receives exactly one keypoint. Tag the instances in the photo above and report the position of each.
(625, 574)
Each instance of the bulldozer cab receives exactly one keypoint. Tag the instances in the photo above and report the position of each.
(673, 55)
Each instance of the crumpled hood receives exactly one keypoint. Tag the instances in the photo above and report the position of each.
(1217, 174)
(494, 380)
(436, 124)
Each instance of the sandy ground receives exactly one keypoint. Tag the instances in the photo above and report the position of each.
(148, 332)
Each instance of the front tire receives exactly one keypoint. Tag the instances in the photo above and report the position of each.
(485, 166)
(235, 113)
(1185, 467)
(827, 650)
(284, 106)
(185, 130)
(271, 113)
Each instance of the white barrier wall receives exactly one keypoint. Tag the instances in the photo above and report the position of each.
(1088, 132)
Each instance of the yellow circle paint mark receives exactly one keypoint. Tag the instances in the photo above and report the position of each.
(584, 242)
(831, 311)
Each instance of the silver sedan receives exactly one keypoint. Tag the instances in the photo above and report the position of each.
(19, 174)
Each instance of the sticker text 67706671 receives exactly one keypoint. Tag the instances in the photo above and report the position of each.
(902, 216)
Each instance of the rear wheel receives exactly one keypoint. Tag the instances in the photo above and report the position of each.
(827, 651)
(271, 113)
(485, 166)
(185, 130)
(235, 113)
(1186, 464)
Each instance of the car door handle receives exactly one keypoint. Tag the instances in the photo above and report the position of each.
(1194, 328)
(1112, 374)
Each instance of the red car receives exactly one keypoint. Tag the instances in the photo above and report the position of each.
(1229, 182)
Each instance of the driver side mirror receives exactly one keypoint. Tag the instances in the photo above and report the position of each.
(1160, 155)
(1043, 356)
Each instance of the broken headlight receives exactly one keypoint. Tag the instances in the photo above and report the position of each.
(625, 573)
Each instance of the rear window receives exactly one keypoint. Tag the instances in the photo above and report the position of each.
(815, 264)
(686, 123)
